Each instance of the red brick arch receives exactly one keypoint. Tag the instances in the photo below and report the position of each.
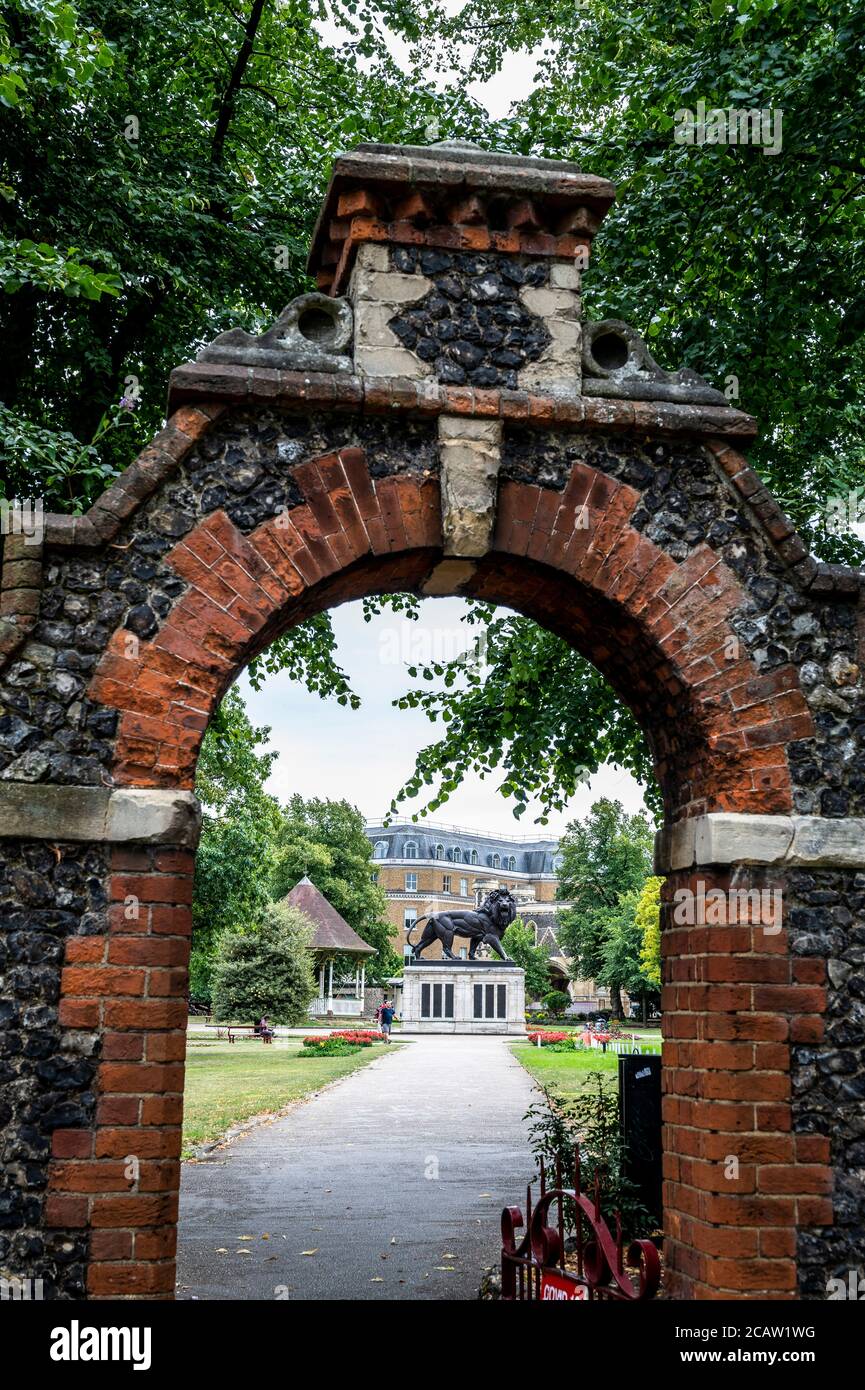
(660, 631)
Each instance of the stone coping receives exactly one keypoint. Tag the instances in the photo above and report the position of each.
(224, 384)
(725, 838)
(36, 811)
(463, 964)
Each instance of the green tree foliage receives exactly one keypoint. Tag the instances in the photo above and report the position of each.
(240, 826)
(123, 249)
(557, 1000)
(526, 707)
(267, 970)
(605, 858)
(326, 841)
(621, 947)
(519, 943)
(161, 168)
(648, 920)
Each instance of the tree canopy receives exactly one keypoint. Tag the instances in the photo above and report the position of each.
(606, 859)
(326, 841)
(240, 826)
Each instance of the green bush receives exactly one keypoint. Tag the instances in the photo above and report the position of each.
(557, 1001)
(589, 1122)
(267, 970)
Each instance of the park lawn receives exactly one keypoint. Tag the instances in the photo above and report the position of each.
(226, 1083)
(565, 1072)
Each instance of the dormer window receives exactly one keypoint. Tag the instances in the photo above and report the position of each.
(409, 849)
(380, 849)
(439, 851)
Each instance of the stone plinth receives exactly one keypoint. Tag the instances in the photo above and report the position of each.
(446, 996)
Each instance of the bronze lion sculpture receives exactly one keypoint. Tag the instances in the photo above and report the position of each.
(486, 926)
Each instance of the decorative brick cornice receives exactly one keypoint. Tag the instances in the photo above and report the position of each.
(456, 197)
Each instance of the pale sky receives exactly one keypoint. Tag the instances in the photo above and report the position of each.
(513, 82)
(365, 755)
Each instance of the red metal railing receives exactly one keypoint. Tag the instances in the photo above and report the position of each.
(534, 1267)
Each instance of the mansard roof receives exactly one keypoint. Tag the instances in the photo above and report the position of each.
(532, 855)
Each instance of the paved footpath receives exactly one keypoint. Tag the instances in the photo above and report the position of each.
(395, 1177)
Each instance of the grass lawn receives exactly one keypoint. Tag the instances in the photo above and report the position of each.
(226, 1083)
(565, 1072)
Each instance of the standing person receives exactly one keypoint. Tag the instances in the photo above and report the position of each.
(388, 1013)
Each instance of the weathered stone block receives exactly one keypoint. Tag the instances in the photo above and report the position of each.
(470, 460)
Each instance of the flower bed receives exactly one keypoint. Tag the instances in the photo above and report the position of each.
(340, 1044)
(547, 1038)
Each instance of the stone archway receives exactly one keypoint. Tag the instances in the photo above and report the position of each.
(584, 487)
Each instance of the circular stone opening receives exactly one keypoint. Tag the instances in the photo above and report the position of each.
(316, 325)
(610, 351)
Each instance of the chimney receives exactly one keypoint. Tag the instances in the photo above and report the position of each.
(461, 266)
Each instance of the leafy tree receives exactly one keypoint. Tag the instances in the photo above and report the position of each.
(557, 1000)
(160, 176)
(326, 841)
(267, 970)
(524, 703)
(622, 969)
(604, 857)
(648, 919)
(519, 943)
(239, 833)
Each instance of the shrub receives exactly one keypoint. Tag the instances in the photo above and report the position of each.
(267, 970)
(557, 1001)
(590, 1122)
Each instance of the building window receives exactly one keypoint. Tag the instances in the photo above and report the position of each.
(380, 850)
(558, 861)
(473, 858)
(458, 856)
(436, 1001)
(446, 883)
(464, 887)
(373, 878)
(411, 883)
(490, 1001)
(495, 861)
(512, 864)
(464, 953)
(409, 849)
(409, 917)
(440, 851)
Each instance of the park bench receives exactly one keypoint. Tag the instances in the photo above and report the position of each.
(235, 1031)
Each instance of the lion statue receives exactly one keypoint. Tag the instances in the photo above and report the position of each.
(486, 926)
